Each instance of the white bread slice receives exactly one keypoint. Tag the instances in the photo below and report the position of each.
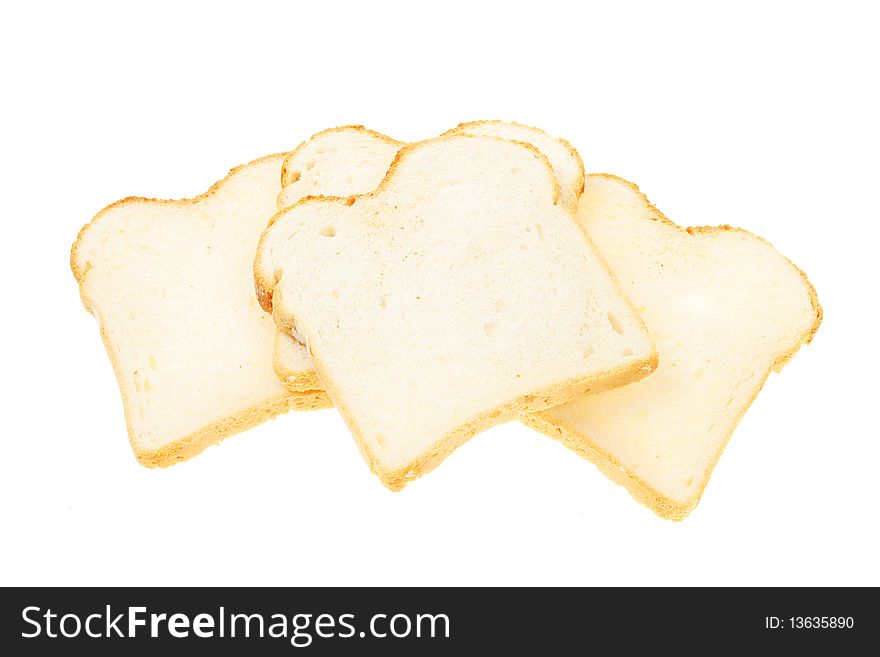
(461, 286)
(354, 160)
(170, 285)
(723, 307)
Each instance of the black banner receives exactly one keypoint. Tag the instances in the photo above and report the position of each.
(334, 621)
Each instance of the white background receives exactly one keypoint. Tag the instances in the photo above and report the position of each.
(763, 115)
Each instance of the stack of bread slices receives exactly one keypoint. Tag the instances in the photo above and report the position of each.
(431, 290)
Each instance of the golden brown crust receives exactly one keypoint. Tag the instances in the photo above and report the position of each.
(300, 381)
(610, 466)
(194, 443)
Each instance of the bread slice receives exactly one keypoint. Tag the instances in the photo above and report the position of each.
(354, 160)
(170, 283)
(336, 162)
(723, 307)
(455, 296)
(563, 157)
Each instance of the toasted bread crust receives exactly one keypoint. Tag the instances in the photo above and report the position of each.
(194, 443)
(611, 467)
(396, 479)
(197, 442)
